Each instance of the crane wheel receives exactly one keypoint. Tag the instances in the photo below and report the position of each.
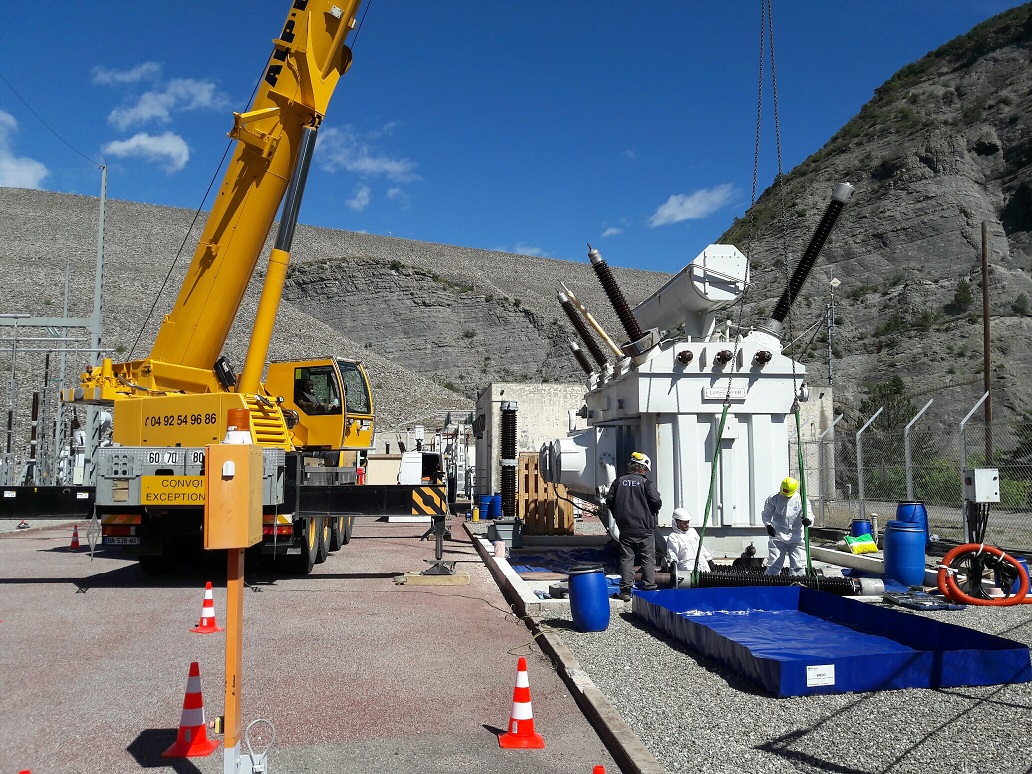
(305, 561)
(322, 531)
(336, 533)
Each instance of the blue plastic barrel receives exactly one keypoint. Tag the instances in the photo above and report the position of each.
(914, 513)
(485, 506)
(496, 506)
(860, 527)
(589, 598)
(904, 547)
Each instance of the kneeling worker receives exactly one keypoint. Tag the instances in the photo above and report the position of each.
(683, 543)
(783, 518)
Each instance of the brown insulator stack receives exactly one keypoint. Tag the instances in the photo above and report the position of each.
(580, 357)
(615, 295)
(509, 409)
(582, 330)
(839, 197)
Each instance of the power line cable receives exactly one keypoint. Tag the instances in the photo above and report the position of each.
(48, 126)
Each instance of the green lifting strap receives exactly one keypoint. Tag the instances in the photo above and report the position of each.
(802, 486)
(712, 485)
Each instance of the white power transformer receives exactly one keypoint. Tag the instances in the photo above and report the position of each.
(665, 396)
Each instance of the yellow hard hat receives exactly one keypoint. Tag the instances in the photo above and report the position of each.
(789, 486)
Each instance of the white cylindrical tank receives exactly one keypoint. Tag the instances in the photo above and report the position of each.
(715, 279)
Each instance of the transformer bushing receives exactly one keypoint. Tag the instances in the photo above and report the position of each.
(581, 358)
(509, 408)
(839, 197)
(615, 296)
(582, 330)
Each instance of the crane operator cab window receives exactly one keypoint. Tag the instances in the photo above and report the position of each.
(355, 387)
(315, 390)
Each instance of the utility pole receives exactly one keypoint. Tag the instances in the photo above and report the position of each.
(987, 356)
(93, 425)
(831, 325)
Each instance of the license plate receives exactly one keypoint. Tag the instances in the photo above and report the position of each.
(121, 541)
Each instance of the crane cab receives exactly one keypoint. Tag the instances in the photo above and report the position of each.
(331, 399)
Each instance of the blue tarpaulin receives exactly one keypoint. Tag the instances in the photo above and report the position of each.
(561, 560)
(795, 641)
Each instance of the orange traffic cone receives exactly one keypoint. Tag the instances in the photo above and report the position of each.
(192, 741)
(75, 539)
(207, 624)
(521, 722)
(599, 770)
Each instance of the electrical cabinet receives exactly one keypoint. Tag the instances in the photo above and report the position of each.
(982, 485)
(233, 502)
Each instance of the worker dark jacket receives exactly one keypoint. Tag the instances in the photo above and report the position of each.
(634, 503)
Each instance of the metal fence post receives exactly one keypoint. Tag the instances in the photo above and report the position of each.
(860, 461)
(964, 421)
(906, 447)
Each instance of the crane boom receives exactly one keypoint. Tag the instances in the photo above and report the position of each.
(308, 58)
(312, 418)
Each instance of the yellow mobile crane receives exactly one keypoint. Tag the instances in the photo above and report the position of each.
(168, 406)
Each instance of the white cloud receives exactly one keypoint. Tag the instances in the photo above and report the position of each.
(396, 193)
(168, 149)
(522, 249)
(178, 95)
(612, 231)
(361, 199)
(700, 204)
(630, 153)
(17, 171)
(347, 149)
(148, 71)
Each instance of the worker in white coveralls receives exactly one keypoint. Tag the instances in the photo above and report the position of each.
(683, 543)
(783, 518)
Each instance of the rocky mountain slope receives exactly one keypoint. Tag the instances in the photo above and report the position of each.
(944, 145)
(432, 323)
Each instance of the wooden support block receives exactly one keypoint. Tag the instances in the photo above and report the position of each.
(541, 506)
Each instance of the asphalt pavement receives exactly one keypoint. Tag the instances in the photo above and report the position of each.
(356, 672)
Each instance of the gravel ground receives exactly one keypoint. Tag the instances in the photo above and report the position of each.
(695, 715)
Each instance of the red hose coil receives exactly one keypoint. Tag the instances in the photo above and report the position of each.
(948, 585)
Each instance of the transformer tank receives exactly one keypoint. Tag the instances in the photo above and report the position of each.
(665, 397)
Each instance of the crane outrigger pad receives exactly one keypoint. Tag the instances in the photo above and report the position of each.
(796, 641)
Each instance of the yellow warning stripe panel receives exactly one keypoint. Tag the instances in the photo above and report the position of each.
(280, 518)
(428, 501)
(121, 518)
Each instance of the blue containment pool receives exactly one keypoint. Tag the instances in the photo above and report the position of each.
(795, 641)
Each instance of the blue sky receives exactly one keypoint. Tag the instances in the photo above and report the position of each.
(503, 126)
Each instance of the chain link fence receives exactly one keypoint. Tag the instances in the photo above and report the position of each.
(863, 469)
